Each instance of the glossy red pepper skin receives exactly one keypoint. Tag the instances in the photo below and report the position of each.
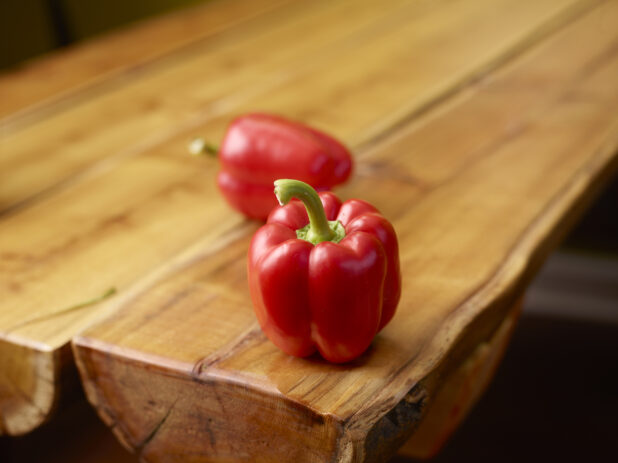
(260, 148)
(333, 297)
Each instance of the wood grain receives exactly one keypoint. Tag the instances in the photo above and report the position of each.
(479, 190)
(147, 198)
(413, 62)
(126, 116)
(27, 386)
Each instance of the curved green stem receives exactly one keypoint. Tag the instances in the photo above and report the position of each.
(319, 228)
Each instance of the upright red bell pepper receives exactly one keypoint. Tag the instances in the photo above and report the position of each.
(259, 148)
(323, 274)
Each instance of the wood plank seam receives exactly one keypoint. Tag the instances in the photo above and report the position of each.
(441, 102)
(515, 131)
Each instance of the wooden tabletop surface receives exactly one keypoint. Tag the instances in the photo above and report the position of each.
(480, 128)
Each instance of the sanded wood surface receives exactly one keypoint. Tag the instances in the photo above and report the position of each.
(479, 189)
(101, 193)
(480, 128)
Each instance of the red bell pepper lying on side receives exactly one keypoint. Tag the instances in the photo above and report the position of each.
(259, 148)
(323, 274)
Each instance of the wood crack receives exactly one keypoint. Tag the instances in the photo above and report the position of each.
(155, 430)
(253, 335)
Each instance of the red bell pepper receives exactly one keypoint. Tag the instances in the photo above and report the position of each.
(259, 148)
(323, 275)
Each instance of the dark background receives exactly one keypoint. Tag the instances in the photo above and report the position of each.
(32, 27)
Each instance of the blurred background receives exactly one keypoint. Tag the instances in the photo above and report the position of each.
(33, 27)
(555, 396)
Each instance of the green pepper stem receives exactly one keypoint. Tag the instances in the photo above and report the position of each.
(199, 146)
(319, 228)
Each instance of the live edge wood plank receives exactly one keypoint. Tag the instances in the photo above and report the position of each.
(479, 191)
(121, 221)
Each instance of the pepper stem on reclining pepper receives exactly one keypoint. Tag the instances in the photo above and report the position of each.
(198, 147)
(319, 229)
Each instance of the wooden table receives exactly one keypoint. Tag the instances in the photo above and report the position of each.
(480, 128)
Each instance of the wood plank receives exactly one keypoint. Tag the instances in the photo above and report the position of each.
(479, 191)
(410, 40)
(151, 201)
(100, 202)
(128, 115)
(79, 67)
